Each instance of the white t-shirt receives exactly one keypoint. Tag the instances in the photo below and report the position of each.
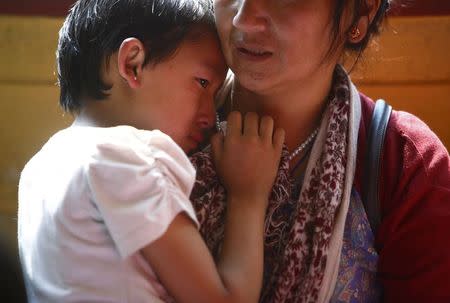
(89, 200)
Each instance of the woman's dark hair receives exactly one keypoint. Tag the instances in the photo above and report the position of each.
(359, 9)
(95, 29)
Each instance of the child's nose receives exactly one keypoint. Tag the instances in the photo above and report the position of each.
(207, 114)
(205, 122)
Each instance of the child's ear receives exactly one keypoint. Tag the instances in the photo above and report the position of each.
(130, 60)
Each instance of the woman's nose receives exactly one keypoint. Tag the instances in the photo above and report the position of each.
(250, 15)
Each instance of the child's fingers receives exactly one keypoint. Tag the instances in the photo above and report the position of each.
(217, 145)
(278, 139)
(266, 129)
(234, 124)
(251, 127)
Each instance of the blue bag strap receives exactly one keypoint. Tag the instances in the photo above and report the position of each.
(371, 168)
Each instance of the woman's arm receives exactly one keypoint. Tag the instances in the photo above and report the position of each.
(414, 262)
(247, 160)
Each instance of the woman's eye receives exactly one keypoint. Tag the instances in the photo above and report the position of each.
(203, 82)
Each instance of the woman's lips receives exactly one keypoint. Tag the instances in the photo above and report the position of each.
(253, 54)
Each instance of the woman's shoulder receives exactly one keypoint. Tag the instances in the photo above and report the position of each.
(411, 153)
(401, 125)
(410, 146)
(414, 200)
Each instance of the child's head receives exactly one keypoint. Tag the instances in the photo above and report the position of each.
(152, 64)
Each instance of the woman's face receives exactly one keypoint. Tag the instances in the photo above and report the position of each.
(274, 43)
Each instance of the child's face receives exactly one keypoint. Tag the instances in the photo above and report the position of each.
(177, 95)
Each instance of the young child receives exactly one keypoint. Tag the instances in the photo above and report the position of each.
(104, 210)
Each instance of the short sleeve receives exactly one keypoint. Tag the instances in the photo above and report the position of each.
(140, 181)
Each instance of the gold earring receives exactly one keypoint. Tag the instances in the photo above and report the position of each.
(355, 33)
(135, 73)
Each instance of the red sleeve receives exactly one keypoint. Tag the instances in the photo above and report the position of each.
(413, 239)
(414, 262)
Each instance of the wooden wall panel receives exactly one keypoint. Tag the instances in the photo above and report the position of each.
(408, 66)
(29, 114)
(410, 50)
(27, 49)
(29, 111)
(430, 102)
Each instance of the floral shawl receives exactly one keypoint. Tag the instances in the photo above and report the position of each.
(303, 237)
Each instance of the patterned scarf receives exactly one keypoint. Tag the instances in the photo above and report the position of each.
(297, 231)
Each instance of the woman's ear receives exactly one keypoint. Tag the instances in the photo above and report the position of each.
(372, 8)
(130, 61)
(359, 30)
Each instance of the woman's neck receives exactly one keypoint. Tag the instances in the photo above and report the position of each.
(296, 108)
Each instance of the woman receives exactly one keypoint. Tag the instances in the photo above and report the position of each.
(319, 247)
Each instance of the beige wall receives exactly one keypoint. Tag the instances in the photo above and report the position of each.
(29, 110)
(410, 70)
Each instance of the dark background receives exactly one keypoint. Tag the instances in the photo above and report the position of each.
(60, 7)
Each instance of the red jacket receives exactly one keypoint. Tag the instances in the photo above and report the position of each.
(413, 239)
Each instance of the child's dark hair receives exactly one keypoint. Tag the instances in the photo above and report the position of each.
(95, 29)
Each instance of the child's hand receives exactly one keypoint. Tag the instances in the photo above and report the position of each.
(248, 156)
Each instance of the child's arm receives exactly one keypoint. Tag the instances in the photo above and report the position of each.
(247, 160)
